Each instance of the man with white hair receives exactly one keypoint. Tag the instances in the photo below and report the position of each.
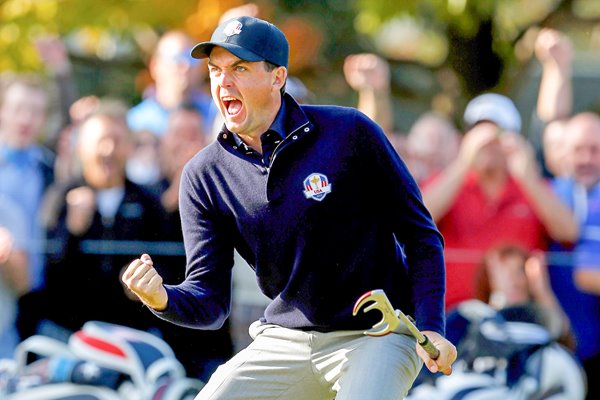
(577, 284)
(432, 143)
(176, 80)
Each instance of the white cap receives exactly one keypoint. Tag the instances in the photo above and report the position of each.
(495, 108)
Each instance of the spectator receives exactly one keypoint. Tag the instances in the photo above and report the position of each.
(142, 166)
(66, 166)
(26, 168)
(177, 80)
(515, 281)
(184, 138)
(502, 350)
(99, 220)
(99, 205)
(492, 193)
(14, 271)
(577, 284)
(432, 144)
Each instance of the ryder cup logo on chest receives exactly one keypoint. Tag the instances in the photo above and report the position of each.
(316, 186)
(233, 28)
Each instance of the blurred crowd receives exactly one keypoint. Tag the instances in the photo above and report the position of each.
(519, 211)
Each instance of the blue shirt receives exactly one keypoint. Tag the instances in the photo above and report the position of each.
(583, 309)
(23, 180)
(269, 140)
(337, 214)
(13, 219)
(150, 115)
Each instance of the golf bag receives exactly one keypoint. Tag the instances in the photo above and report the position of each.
(101, 361)
(502, 359)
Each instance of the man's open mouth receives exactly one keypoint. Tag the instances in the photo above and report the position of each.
(232, 105)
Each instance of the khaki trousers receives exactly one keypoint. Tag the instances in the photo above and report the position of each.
(291, 364)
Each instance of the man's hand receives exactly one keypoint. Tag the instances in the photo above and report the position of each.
(143, 280)
(447, 355)
(520, 157)
(473, 141)
(552, 46)
(367, 71)
(53, 53)
(538, 279)
(6, 245)
(81, 206)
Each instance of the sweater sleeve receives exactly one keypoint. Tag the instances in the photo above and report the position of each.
(413, 226)
(203, 299)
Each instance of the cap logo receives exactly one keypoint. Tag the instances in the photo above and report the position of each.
(316, 186)
(233, 28)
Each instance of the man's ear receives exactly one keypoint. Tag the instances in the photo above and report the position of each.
(279, 77)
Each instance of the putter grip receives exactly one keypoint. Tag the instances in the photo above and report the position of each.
(433, 352)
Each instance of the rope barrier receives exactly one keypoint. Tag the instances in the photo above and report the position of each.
(120, 247)
(160, 248)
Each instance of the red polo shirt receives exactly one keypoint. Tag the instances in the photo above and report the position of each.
(476, 223)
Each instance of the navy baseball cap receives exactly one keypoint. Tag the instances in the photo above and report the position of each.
(248, 38)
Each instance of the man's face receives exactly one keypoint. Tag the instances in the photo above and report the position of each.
(22, 115)
(490, 156)
(172, 66)
(432, 144)
(508, 278)
(583, 151)
(184, 138)
(104, 146)
(246, 93)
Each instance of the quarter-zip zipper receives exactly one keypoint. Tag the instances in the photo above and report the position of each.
(274, 154)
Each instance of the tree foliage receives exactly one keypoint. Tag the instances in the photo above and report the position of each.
(440, 51)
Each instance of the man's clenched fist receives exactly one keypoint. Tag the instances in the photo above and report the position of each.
(143, 280)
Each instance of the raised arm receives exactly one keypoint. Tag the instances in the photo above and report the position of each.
(554, 52)
(369, 75)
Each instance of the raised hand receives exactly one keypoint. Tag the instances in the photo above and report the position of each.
(367, 71)
(81, 206)
(142, 279)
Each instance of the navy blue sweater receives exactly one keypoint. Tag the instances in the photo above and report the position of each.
(336, 214)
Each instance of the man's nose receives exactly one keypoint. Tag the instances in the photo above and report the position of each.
(224, 80)
(106, 148)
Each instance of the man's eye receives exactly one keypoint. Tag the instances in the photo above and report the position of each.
(240, 68)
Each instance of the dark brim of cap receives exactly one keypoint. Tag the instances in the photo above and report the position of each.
(202, 50)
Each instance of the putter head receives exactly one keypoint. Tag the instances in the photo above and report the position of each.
(379, 301)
